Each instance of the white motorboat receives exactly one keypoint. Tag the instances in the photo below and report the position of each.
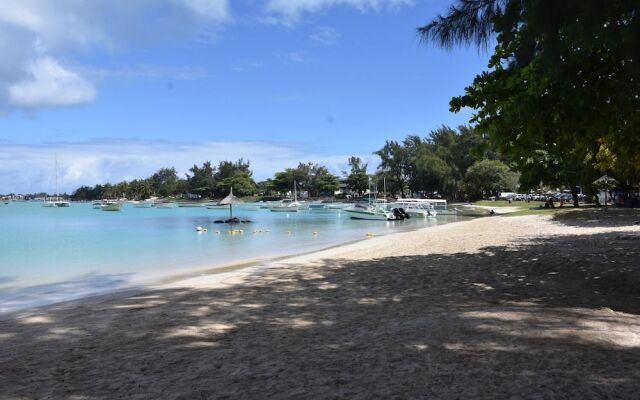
(142, 204)
(165, 206)
(373, 211)
(416, 209)
(370, 212)
(111, 205)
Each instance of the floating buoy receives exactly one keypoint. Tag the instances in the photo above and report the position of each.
(199, 229)
(315, 233)
(370, 234)
(217, 232)
(267, 230)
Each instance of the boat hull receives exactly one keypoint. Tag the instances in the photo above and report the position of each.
(283, 209)
(368, 215)
(111, 207)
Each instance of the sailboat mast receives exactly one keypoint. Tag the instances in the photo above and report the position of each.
(56, 167)
(295, 192)
(384, 186)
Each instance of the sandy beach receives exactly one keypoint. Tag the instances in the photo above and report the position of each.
(530, 307)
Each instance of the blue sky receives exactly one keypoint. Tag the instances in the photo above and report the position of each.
(118, 89)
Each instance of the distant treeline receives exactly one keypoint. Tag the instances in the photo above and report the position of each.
(209, 181)
(447, 163)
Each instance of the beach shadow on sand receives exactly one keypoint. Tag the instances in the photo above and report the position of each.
(598, 217)
(554, 318)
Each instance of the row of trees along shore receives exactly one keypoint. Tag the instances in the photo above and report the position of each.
(447, 163)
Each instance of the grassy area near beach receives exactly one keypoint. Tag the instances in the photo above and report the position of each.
(521, 208)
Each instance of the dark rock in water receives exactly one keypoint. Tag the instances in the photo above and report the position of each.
(234, 220)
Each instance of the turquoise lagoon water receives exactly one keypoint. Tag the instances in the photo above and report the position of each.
(49, 255)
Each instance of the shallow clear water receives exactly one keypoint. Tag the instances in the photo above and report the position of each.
(55, 254)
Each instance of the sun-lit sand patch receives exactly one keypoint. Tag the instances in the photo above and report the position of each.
(326, 286)
(141, 305)
(418, 346)
(294, 322)
(595, 326)
(199, 331)
(482, 286)
(369, 301)
(7, 335)
(312, 276)
(200, 311)
(36, 319)
(201, 344)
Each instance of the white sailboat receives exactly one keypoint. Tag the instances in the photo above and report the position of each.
(287, 205)
(57, 202)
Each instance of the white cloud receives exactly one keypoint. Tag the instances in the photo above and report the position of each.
(326, 35)
(30, 168)
(298, 57)
(291, 11)
(50, 84)
(148, 71)
(247, 65)
(211, 9)
(35, 35)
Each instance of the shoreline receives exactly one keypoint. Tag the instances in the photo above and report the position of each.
(171, 278)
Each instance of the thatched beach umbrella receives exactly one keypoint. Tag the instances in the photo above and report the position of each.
(231, 200)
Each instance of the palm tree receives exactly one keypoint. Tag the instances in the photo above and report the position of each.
(468, 21)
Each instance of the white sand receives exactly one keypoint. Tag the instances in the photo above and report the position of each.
(502, 307)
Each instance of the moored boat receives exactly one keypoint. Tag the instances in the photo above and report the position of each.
(288, 205)
(111, 205)
(191, 204)
(371, 212)
(142, 203)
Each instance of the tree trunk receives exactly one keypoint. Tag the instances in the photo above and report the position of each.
(574, 194)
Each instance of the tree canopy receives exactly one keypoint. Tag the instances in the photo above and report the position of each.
(357, 178)
(561, 96)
